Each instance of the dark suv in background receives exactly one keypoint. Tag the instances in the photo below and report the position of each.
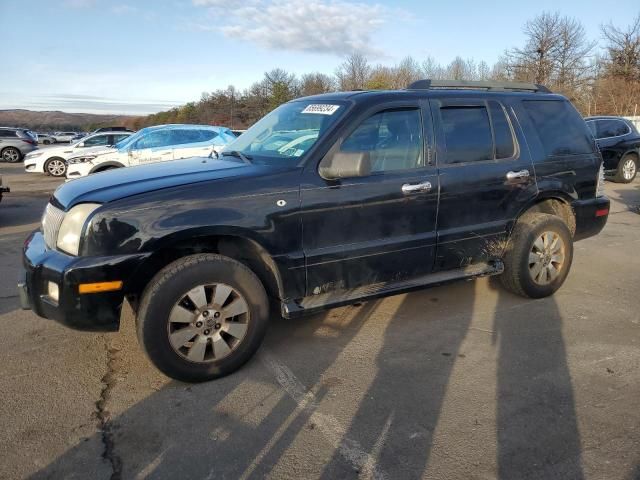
(327, 201)
(15, 143)
(619, 142)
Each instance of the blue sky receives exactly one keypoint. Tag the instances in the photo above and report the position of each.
(127, 56)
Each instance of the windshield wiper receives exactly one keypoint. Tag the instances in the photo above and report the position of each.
(236, 153)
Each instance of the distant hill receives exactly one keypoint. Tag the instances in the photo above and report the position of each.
(56, 120)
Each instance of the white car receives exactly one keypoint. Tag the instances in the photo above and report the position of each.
(153, 144)
(53, 161)
(64, 136)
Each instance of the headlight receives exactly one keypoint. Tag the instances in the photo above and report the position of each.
(84, 159)
(72, 225)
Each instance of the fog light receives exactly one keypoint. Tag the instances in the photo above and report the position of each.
(53, 291)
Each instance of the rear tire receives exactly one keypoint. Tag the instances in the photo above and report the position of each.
(11, 155)
(538, 257)
(202, 317)
(627, 169)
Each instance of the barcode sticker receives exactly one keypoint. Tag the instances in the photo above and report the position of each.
(321, 109)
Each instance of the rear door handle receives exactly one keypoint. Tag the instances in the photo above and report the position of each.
(520, 176)
(409, 188)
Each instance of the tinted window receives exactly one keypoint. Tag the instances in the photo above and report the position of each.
(610, 128)
(7, 133)
(502, 133)
(561, 129)
(393, 138)
(206, 135)
(94, 141)
(467, 134)
(117, 138)
(156, 139)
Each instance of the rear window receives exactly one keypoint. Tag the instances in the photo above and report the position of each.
(561, 129)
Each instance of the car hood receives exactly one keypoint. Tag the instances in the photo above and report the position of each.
(125, 182)
(97, 151)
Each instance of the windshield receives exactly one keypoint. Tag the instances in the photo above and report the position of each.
(287, 133)
(125, 142)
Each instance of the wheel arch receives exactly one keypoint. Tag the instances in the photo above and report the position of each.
(235, 245)
(104, 165)
(554, 203)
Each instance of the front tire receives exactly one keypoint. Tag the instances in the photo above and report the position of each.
(202, 317)
(56, 167)
(627, 169)
(539, 256)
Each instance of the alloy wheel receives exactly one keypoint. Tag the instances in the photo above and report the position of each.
(56, 168)
(208, 323)
(546, 258)
(629, 169)
(11, 155)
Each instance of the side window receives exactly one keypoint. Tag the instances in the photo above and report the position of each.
(97, 140)
(467, 134)
(117, 138)
(392, 137)
(502, 132)
(610, 128)
(206, 135)
(560, 127)
(157, 139)
(592, 127)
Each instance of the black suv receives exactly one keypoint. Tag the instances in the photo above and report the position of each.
(326, 201)
(619, 142)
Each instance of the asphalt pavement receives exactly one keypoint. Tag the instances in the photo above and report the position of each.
(462, 381)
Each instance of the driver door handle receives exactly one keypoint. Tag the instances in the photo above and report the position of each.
(520, 176)
(409, 188)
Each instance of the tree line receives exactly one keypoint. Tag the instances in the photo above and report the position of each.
(601, 77)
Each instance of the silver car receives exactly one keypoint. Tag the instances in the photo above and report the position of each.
(15, 143)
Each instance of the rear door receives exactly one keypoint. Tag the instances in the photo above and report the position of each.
(381, 227)
(486, 178)
(192, 143)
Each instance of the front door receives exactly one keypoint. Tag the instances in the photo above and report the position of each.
(156, 146)
(380, 228)
(486, 178)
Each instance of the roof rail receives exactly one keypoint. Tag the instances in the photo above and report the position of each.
(478, 85)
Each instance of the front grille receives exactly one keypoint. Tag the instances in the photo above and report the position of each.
(51, 222)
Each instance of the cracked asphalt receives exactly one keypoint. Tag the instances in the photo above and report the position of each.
(461, 381)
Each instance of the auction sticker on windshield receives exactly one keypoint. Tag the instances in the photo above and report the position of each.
(321, 109)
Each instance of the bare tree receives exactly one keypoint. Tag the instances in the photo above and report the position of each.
(353, 73)
(623, 50)
(316, 83)
(407, 72)
(432, 69)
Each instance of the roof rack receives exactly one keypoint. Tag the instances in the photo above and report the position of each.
(478, 85)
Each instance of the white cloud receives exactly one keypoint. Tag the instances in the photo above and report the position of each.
(321, 26)
(123, 9)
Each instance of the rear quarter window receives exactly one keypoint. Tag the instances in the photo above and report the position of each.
(560, 127)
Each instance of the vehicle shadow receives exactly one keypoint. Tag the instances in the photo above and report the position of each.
(215, 429)
(537, 427)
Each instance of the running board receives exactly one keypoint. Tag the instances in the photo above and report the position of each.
(340, 298)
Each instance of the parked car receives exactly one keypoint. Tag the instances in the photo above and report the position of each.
(15, 143)
(64, 136)
(153, 144)
(45, 139)
(77, 137)
(619, 143)
(53, 161)
(400, 190)
(3, 189)
(112, 129)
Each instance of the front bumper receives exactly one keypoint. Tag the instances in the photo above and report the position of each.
(591, 216)
(77, 170)
(93, 311)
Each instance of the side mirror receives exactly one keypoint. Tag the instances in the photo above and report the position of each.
(345, 165)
